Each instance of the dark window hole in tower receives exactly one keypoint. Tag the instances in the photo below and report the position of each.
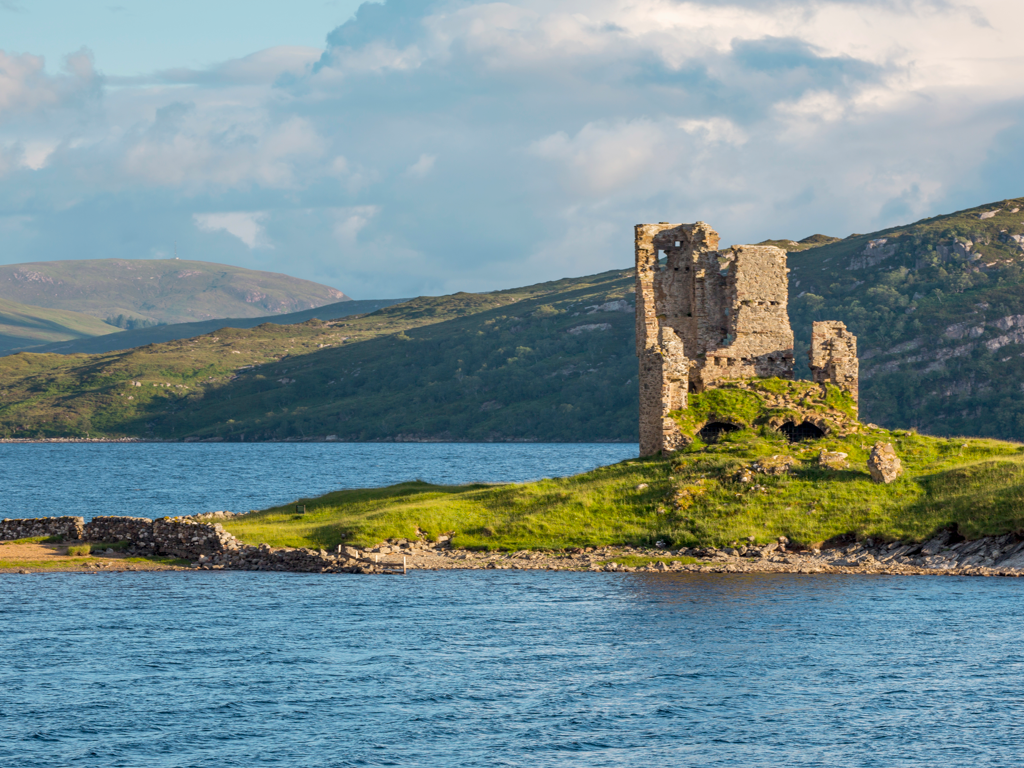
(713, 430)
(802, 431)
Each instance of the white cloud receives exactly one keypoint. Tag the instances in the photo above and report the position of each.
(421, 167)
(349, 222)
(560, 124)
(247, 226)
(26, 88)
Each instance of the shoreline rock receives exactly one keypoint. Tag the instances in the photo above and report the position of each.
(208, 546)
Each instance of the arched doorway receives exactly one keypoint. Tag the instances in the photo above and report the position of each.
(713, 430)
(805, 430)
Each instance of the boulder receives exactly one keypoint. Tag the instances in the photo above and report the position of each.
(884, 465)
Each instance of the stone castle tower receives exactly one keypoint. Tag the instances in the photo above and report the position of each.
(706, 316)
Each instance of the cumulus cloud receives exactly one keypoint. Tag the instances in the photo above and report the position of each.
(441, 145)
(247, 226)
(26, 88)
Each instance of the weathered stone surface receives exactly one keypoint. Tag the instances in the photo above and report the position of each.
(884, 465)
(705, 317)
(833, 460)
(111, 528)
(834, 356)
(12, 529)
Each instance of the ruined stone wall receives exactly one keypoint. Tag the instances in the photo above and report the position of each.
(834, 356)
(703, 317)
(12, 529)
(111, 528)
(752, 318)
(668, 305)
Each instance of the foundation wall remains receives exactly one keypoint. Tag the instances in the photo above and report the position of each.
(205, 543)
(705, 317)
(137, 530)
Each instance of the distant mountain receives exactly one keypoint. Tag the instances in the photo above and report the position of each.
(133, 293)
(162, 333)
(22, 325)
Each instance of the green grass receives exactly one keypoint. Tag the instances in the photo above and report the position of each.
(79, 550)
(34, 540)
(23, 325)
(692, 499)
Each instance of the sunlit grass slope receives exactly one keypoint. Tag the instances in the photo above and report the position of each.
(692, 498)
(23, 325)
(529, 363)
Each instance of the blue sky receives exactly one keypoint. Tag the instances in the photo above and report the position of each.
(430, 146)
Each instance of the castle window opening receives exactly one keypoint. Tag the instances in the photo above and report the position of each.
(805, 430)
(713, 430)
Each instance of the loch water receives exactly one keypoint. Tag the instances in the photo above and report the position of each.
(478, 668)
(509, 668)
(164, 479)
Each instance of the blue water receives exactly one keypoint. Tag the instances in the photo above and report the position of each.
(509, 669)
(160, 479)
(479, 668)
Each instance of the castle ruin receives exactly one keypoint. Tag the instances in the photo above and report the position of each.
(704, 317)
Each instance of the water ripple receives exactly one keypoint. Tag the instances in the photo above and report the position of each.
(509, 669)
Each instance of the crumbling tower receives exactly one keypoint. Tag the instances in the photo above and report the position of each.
(705, 316)
(834, 356)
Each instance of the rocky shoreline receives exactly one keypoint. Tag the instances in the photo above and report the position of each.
(943, 555)
(202, 541)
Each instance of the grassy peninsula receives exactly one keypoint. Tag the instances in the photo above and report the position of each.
(695, 497)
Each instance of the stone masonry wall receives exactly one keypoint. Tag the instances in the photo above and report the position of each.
(754, 313)
(137, 530)
(834, 356)
(12, 529)
(207, 544)
(704, 317)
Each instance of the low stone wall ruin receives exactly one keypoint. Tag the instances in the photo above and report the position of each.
(12, 529)
(110, 528)
(193, 539)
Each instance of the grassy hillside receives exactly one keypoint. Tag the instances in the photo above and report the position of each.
(939, 310)
(22, 325)
(135, 293)
(159, 334)
(695, 498)
(938, 307)
(459, 367)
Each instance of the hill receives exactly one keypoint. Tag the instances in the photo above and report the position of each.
(136, 293)
(159, 334)
(527, 364)
(22, 325)
(938, 307)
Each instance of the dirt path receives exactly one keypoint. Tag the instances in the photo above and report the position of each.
(40, 557)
